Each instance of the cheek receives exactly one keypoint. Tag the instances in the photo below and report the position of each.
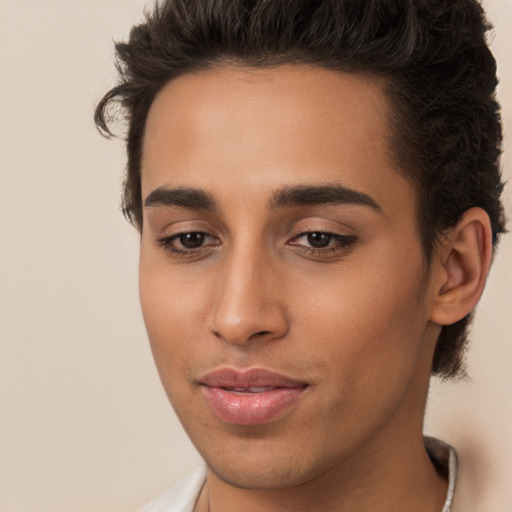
(174, 316)
(369, 322)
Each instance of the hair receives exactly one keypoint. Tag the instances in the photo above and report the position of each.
(432, 55)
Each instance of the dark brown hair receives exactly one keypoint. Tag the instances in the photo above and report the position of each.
(432, 54)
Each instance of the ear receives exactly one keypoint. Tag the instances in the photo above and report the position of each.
(462, 263)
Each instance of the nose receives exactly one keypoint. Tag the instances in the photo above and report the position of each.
(247, 301)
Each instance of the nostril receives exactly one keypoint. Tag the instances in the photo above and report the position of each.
(259, 334)
(253, 336)
(250, 323)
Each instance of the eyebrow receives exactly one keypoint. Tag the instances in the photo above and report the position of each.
(300, 195)
(321, 194)
(192, 198)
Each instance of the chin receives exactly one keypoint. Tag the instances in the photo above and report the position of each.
(249, 476)
(263, 466)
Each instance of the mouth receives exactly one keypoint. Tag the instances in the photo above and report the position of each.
(250, 397)
(249, 391)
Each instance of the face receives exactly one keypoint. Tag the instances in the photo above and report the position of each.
(282, 280)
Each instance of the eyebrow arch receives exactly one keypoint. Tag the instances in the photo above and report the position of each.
(182, 197)
(321, 194)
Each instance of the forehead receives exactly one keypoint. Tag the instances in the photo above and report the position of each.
(236, 127)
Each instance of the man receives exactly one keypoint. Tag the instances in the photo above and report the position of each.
(317, 188)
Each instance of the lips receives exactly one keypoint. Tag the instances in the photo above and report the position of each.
(250, 397)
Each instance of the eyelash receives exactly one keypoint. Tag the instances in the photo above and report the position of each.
(343, 243)
(167, 244)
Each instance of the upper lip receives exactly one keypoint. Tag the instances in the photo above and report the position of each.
(248, 378)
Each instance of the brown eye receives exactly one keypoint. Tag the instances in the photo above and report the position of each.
(323, 242)
(192, 243)
(319, 239)
(192, 240)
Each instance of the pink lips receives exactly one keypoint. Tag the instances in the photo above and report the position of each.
(250, 397)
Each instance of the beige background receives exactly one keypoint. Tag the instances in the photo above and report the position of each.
(85, 425)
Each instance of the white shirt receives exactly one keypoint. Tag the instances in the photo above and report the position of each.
(182, 496)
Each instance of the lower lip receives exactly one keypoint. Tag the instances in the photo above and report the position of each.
(253, 408)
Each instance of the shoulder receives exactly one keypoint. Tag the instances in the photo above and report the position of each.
(181, 497)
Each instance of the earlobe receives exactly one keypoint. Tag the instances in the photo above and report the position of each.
(463, 261)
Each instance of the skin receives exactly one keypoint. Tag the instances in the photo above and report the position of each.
(358, 322)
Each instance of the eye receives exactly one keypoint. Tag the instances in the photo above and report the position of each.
(188, 242)
(319, 239)
(192, 240)
(316, 242)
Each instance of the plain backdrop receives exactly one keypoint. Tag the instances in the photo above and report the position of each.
(85, 425)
